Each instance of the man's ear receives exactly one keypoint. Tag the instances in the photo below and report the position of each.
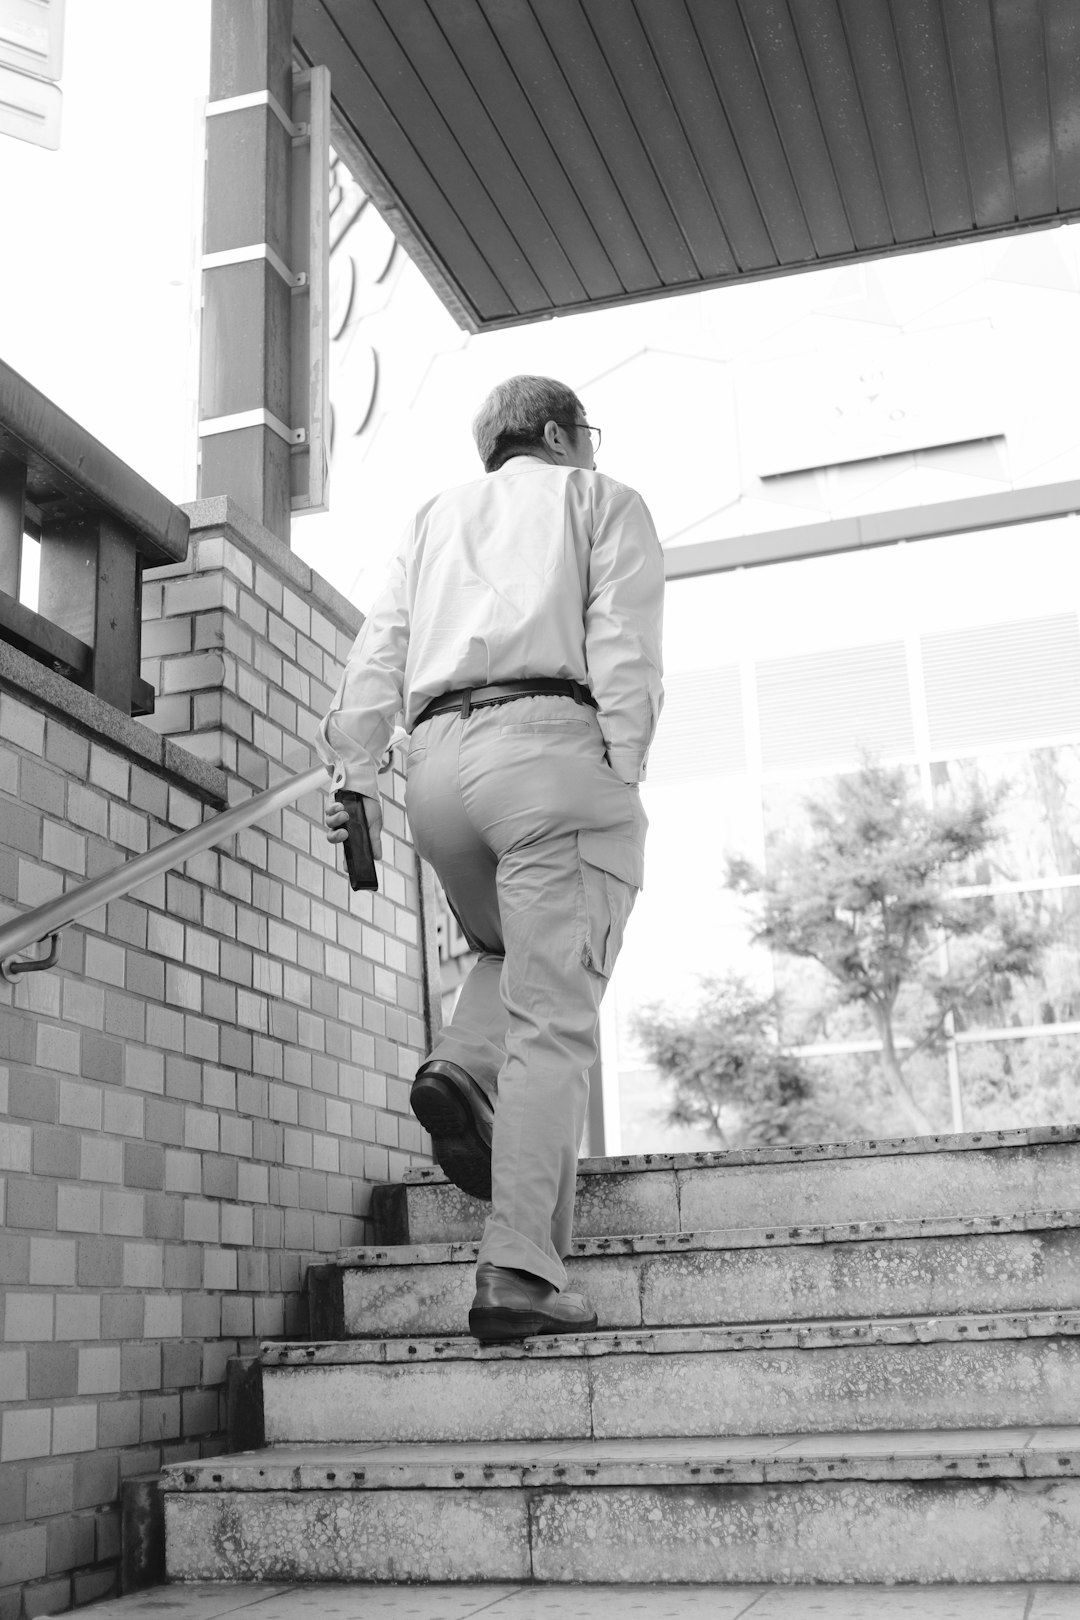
(555, 439)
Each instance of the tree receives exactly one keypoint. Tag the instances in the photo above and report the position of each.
(867, 895)
(727, 1067)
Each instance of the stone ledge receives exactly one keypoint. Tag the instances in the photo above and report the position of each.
(800, 1153)
(738, 1237)
(973, 1328)
(592, 1464)
(221, 514)
(31, 682)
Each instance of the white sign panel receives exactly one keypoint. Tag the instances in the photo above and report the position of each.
(32, 36)
(914, 391)
(29, 109)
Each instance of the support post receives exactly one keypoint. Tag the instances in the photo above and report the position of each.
(117, 617)
(12, 516)
(245, 361)
(91, 586)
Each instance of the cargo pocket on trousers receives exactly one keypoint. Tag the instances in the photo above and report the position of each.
(606, 899)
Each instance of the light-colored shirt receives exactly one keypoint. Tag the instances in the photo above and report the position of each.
(534, 570)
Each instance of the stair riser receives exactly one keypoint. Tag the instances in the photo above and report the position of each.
(818, 1192)
(857, 1531)
(1013, 1271)
(949, 1385)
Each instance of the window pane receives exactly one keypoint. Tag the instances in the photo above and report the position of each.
(1040, 815)
(1051, 993)
(855, 1097)
(1007, 1084)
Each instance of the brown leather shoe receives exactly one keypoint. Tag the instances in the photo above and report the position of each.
(516, 1305)
(458, 1116)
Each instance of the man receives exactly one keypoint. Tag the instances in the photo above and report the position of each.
(519, 633)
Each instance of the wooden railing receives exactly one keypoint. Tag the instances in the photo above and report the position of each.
(98, 523)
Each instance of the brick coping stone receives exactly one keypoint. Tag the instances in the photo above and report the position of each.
(32, 683)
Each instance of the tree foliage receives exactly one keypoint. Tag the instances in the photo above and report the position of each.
(726, 1067)
(868, 896)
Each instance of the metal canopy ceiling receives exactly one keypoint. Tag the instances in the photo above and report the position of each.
(543, 156)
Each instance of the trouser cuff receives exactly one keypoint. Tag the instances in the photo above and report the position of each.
(502, 1246)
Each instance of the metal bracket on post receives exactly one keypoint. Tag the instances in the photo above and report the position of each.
(254, 98)
(256, 250)
(256, 418)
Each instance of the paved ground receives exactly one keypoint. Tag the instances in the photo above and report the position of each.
(270, 1602)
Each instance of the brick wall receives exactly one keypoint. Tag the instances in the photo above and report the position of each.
(196, 1103)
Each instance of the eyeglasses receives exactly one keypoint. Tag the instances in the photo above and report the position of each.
(593, 432)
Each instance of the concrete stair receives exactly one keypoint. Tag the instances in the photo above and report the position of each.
(988, 1172)
(852, 1363)
(880, 1268)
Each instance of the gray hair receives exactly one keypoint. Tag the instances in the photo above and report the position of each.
(512, 419)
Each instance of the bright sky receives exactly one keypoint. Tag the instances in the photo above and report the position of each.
(96, 303)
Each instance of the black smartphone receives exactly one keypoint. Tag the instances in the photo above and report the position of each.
(359, 860)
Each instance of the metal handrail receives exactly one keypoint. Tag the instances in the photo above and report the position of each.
(45, 922)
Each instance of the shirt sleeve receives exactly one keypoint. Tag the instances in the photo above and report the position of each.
(353, 735)
(623, 628)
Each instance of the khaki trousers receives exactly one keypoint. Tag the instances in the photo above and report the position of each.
(539, 847)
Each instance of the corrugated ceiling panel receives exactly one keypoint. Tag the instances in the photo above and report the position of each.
(1025, 96)
(920, 35)
(791, 103)
(880, 76)
(621, 141)
(825, 708)
(836, 97)
(973, 53)
(1062, 19)
(648, 101)
(546, 155)
(478, 198)
(701, 728)
(477, 46)
(730, 58)
(534, 65)
(1003, 683)
(458, 101)
(677, 48)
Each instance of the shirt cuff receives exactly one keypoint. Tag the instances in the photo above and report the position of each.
(628, 764)
(356, 779)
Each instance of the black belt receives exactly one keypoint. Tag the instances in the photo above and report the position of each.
(479, 697)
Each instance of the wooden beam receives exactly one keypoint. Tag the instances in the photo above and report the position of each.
(21, 627)
(65, 462)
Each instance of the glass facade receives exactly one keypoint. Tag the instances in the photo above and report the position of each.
(988, 703)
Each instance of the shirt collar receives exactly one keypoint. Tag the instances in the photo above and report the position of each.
(523, 461)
